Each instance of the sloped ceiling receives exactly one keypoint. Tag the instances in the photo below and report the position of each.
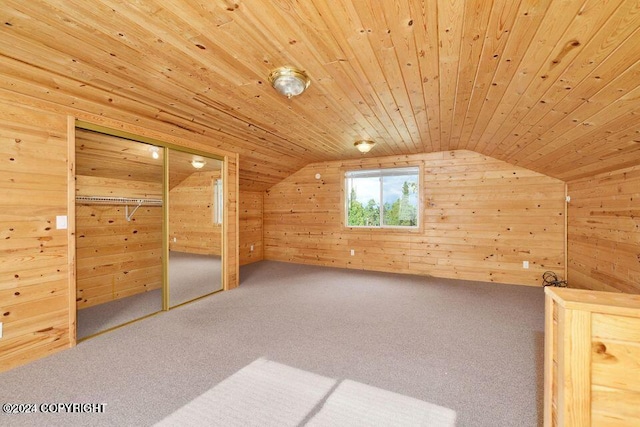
(550, 85)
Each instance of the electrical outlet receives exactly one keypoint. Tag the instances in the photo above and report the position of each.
(175, 239)
(0, 329)
(251, 248)
(525, 264)
(353, 252)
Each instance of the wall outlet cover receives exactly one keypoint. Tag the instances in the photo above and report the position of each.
(61, 222)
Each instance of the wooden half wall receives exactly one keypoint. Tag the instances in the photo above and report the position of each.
(37, 261)
(481, 218)
(604, 232)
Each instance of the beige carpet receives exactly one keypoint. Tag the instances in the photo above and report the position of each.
(262, 394)
(476, 348)
(359, 405)
(265, 394)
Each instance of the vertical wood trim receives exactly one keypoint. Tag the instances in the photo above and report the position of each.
(549, 344)
(261, 229)
(574, 368)
(165, 228)
(236, 245)
(566, 233)
(225, 224)
(71, 226)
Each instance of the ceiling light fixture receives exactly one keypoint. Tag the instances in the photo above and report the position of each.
(154, 152)
(364, 146)
(198, 164)
(289, 81)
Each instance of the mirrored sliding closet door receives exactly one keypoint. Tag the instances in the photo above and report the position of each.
(195, 213)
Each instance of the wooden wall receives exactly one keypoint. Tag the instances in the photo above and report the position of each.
(481, 219)
(604, 232)
(34, 261)
(191, 207)
(37, 262)
(116, 258)
(251, 208)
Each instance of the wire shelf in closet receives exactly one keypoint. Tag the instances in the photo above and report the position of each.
(126, 201)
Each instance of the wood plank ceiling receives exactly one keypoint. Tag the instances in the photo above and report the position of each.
(550, 85)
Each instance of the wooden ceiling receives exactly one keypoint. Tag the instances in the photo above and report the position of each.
(550, 85)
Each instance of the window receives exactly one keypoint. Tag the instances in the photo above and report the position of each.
(383, 197)
(217, 201)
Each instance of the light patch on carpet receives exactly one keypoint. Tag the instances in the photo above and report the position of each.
(263, 393)
(354, 404)
(266, 393)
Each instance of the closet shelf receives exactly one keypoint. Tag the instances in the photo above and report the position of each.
(126, 201)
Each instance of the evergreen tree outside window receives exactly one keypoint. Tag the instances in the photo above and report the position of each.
(383, 197)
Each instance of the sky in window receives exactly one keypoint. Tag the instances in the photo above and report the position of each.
(368, 188)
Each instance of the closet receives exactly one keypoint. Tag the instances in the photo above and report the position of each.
(119, 217)
(148, 229)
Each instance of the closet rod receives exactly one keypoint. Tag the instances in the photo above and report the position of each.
(118, 200)
(106, 200)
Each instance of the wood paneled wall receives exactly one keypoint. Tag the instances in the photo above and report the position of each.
(37, 262)
(251, 209)
(34, 261)
(116, 258)
(604, 232)
(481, 219)
(191, 207)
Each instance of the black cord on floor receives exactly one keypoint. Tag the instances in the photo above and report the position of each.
(549, 278)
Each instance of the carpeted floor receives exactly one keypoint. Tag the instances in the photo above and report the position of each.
(476, 348)
(192, 276)
(105, 316)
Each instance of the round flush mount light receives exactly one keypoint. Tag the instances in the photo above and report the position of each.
(198, 164)
(155, 152)
(289, 81)
(364, 146)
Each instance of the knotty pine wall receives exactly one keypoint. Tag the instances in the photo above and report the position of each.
(604, 232)
(37, 262)
(481, 219)
(251, 209)
(191, 207)
(34, 259)
(116, 258)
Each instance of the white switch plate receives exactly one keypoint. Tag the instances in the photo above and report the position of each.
(353, 252)
(525, 264)
(0, 329)
(61, 222)
(251, 248)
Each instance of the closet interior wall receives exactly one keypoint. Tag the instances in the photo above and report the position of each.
(116, 257)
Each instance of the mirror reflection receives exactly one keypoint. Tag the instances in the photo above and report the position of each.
(194, 226)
